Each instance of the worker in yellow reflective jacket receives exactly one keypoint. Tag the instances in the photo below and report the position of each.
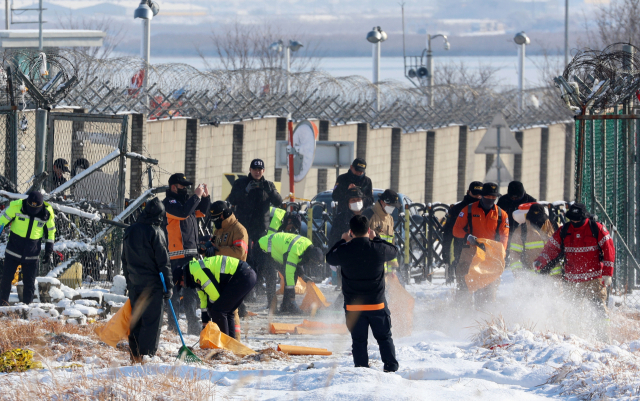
(32, 221)
(290, 254)
(222, 283)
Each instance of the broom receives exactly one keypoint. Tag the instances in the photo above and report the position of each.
(185, 353)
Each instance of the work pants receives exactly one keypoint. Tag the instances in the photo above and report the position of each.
(358, 324)
(256, 258)
(184, 299)
(29, 270)
(595, 293)
(221, 312)
(147, 303)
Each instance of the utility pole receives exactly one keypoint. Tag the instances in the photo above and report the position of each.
(566, 32)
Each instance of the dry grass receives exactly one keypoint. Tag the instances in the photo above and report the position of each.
(81, 385)
(625, 325)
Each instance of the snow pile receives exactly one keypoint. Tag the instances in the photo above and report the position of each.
(119, 285)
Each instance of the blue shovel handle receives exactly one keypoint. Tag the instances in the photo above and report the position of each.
(164, 286)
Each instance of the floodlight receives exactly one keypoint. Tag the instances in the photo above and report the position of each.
(143, 11)
(374, 36)
(276, 46)
(294, 45)
(521, 39)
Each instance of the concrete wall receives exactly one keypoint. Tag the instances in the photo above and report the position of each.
(413, 162)
(214, 156)
(531, 161)
(445, 176)
(165, 140)
(378, 157)
(556, 163)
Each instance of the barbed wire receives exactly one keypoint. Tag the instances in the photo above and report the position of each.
(115, 85)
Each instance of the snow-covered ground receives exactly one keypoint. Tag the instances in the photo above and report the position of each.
(532, 344)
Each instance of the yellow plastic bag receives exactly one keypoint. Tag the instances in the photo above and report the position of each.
(117, 328)
(314, 299)
(486, 266)
(212, 337)
(401, 305)
(301, 286)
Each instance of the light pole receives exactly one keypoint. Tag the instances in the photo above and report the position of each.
(146, 11)
(293, 46)
(376, 36)
(566, 33)
(523, 40)
(447, 46)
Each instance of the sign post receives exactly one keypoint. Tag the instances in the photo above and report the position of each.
(498, 140)
(292, 197)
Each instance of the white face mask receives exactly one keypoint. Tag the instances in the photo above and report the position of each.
(355, 206)
(389, 209)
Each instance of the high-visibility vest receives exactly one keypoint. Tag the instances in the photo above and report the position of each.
(206, 273)
(277, 215)
(20, 222)
(287, 249)
(528, 246)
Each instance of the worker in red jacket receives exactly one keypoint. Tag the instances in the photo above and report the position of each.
(589, 260)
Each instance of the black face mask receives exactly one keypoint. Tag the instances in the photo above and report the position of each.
(487, 203)
(356, 178)
(183, 193)
(578, 224)
(218, 223)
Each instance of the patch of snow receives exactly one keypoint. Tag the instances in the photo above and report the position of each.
(114, 298)
(50, 280)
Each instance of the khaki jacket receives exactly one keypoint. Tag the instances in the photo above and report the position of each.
(232, 239)
(380, 222)
(522, 254)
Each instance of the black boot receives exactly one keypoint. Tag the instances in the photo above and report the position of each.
(289, 306)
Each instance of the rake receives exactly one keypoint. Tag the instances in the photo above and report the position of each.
(185, 354)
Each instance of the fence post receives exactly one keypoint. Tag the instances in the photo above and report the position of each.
(13, 131)
(41, 142)
(122, 188)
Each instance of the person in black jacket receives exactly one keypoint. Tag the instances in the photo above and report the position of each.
(353, 178)
(450, 255)
(362, 256)
(181, 230)
(515, 197)
(253, 197)
(144, 257)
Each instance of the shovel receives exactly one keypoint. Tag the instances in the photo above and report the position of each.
(184, 353)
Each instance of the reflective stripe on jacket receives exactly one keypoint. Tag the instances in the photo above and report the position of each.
(206, 273)
(181, 224)
(27, 231)
(277, 215)
(523, 253)
(291, 246)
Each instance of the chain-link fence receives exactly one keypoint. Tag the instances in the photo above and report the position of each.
(606, 181)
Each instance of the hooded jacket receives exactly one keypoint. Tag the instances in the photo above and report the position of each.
(231, 239)
(252, 209)
(181, 225)
(144, 252)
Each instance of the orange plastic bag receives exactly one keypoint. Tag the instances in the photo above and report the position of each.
(301, 286)
(401, 305)
(486, 266)
(212, 337)
(311, 327)
(296, 350)
(314, 299)
(282, 328)
(117, 328)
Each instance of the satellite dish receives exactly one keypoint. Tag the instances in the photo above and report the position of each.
(304, 149)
